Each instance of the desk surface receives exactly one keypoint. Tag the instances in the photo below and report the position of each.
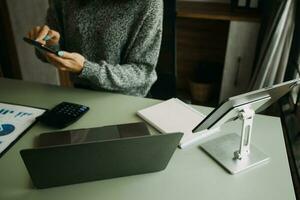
(191, 174)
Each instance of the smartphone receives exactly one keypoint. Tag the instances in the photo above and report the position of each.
(40, 46)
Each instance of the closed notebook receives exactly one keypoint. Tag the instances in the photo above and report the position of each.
(175, 116)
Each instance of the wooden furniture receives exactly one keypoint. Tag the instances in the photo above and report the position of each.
(17, 18)
(8, 51)
(211, 32)
(190, 174)
(214, 11)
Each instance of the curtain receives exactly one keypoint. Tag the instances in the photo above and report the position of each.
(293, 68)
(275, 46)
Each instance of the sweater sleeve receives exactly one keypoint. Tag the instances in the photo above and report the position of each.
(136, 74)
(53, 20)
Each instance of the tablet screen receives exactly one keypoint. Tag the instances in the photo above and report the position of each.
(274, 92)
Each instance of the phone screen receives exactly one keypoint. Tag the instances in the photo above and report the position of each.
(40, 46)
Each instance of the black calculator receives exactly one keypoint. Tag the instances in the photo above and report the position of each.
(63, 114)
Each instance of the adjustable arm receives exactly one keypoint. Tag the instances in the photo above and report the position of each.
(246, 115)
(225, 150)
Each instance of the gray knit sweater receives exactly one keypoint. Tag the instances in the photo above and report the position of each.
(120, 40)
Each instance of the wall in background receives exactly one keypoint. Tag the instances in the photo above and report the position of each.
(23, 16)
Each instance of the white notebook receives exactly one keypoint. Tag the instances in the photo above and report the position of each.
(175, 116)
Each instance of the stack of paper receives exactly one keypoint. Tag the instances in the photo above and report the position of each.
(175, 116)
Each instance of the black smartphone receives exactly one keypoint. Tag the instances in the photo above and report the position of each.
(40, 46)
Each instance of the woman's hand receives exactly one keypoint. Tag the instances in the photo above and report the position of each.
(44, 35)
(70, 62)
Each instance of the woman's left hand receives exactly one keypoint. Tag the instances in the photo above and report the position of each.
(70, 62)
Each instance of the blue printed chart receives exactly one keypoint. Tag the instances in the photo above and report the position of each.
(14, 120)
(6, 129)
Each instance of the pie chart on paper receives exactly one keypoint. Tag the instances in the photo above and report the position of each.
(6, 129)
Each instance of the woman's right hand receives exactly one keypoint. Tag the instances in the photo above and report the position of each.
(44, 35)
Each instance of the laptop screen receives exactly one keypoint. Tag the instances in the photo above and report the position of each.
(79, 136)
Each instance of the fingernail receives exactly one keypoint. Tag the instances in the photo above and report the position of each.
(60, 53)
(47, 37)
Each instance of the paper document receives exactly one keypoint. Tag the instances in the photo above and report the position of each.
(14, 120)
(175, 116)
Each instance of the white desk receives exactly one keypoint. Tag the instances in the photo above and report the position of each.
(191, 174)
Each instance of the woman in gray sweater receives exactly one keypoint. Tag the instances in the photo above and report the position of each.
(110, 45)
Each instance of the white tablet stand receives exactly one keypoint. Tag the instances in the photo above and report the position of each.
(235, 153)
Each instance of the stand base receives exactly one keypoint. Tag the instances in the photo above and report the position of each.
(222, 149)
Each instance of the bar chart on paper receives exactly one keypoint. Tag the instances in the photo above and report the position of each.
(14, 120)
(15, 113)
